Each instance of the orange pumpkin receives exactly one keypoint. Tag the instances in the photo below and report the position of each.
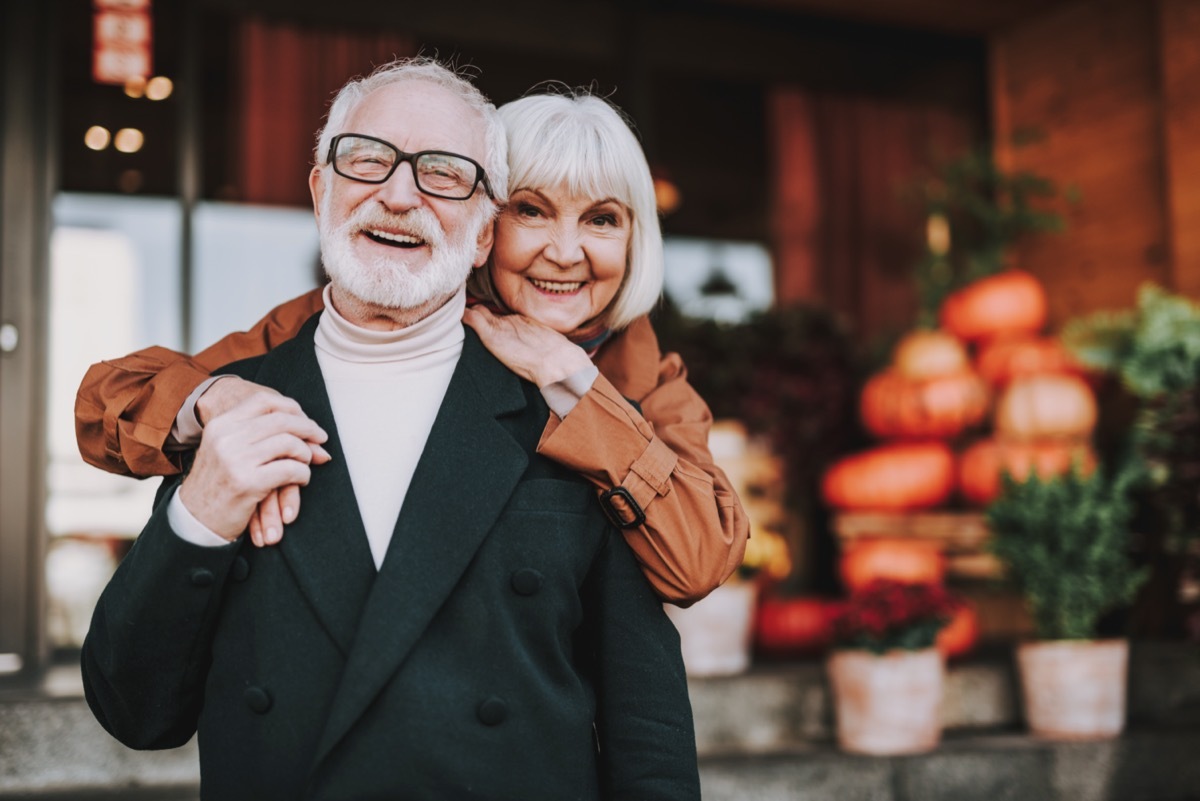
(1046, 407)
(1001, 360)
(794, 626)
(1009, 302)
(960, 636)
(892, 477)
(980, 465)
(925, 354)
(894, 407)
(905, 560)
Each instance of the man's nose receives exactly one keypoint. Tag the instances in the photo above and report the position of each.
(399, 192)
(565, 247)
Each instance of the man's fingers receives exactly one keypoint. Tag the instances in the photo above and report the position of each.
(279, 446)
(289, 503)
(319, 454)
(272, 520)
(282, 472)
(256, 531)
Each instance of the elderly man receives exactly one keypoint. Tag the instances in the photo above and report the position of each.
(453, 616)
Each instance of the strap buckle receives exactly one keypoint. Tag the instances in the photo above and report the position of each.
(628, 514)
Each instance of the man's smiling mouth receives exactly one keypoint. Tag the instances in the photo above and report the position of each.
(393, 240)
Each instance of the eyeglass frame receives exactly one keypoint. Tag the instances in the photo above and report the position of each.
(411, 158)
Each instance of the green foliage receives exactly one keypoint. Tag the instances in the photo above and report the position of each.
(1154, 348)
(987, 211)
(1065, 542)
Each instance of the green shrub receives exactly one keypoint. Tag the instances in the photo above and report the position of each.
(1065, 542)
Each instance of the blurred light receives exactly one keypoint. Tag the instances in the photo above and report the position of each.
(937, 234)
(10, 663)
(128, 140)
(666, 195)
(135, 86)
(159, 88)
(129, 181)
(97, 137)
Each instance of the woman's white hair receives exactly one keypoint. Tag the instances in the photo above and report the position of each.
(420, 68)
(583, 143)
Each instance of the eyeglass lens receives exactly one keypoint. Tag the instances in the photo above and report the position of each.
(436, 173)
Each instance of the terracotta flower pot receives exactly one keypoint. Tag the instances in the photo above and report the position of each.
(715, 633)
(1074, 689)
(890, 703)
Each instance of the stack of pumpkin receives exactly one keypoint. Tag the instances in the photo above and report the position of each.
(930, 408)
(934, 392)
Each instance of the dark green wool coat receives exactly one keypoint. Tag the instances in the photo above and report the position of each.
(509, 647)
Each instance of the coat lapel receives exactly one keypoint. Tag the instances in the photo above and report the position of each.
(326, 548)
(466, 474)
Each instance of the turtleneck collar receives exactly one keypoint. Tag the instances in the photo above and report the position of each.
(442, 330)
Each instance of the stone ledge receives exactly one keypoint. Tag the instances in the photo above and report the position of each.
(52, 746)
(1142, 765)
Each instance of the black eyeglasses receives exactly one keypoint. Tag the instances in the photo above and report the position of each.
(436, 172)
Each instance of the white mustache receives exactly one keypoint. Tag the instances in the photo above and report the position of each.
(420, 223)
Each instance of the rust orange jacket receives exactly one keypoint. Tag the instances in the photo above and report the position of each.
(695, 530)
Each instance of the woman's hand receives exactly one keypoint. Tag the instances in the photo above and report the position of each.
(531, 350)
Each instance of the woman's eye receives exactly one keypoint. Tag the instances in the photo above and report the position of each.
(605, 220)
(528, 210)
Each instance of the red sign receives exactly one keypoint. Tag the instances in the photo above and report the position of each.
(122, 40)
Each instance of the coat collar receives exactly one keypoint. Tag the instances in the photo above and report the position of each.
(463, 479)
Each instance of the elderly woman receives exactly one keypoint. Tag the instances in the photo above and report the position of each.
(576, 266)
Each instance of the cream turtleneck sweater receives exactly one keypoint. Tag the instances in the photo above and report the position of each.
(385, 389)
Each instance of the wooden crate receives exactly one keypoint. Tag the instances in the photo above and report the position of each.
(963, 537)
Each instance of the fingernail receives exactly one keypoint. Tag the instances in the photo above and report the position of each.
(272, 535)
(289, 514)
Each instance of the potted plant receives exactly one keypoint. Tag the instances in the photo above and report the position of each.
(1065, 543)
(716, 632)
(886, 673)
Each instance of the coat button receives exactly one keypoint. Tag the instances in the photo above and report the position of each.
(258, 699)
(492, 711)
(240, 569)
(527, 581)
(202, 577)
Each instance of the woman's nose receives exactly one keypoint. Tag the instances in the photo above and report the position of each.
(565, 247)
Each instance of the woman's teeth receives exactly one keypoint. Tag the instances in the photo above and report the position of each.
(557, 287)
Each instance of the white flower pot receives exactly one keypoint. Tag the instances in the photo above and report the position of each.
(887, 703)
(715, 632)
(1074, 689)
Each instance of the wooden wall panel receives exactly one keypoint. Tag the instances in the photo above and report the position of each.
(1087, 77)
(1180, 32)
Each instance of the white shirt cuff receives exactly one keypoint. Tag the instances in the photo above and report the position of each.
(188, 528)
(562, 396)
(187, 429)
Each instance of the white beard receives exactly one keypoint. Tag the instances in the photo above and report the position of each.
(390, 280)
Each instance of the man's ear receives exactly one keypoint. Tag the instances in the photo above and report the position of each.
(483, 246)
(316, 188)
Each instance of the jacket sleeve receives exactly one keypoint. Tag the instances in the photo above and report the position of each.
(146, 656)
(643, 716)
(125, 408)
(695, 530)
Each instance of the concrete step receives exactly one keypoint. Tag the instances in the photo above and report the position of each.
(785, 707)
(767, 734)
(1138, 766)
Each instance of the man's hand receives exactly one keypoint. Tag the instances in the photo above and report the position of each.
(261, 444)
(280, 507)
(531, 350)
